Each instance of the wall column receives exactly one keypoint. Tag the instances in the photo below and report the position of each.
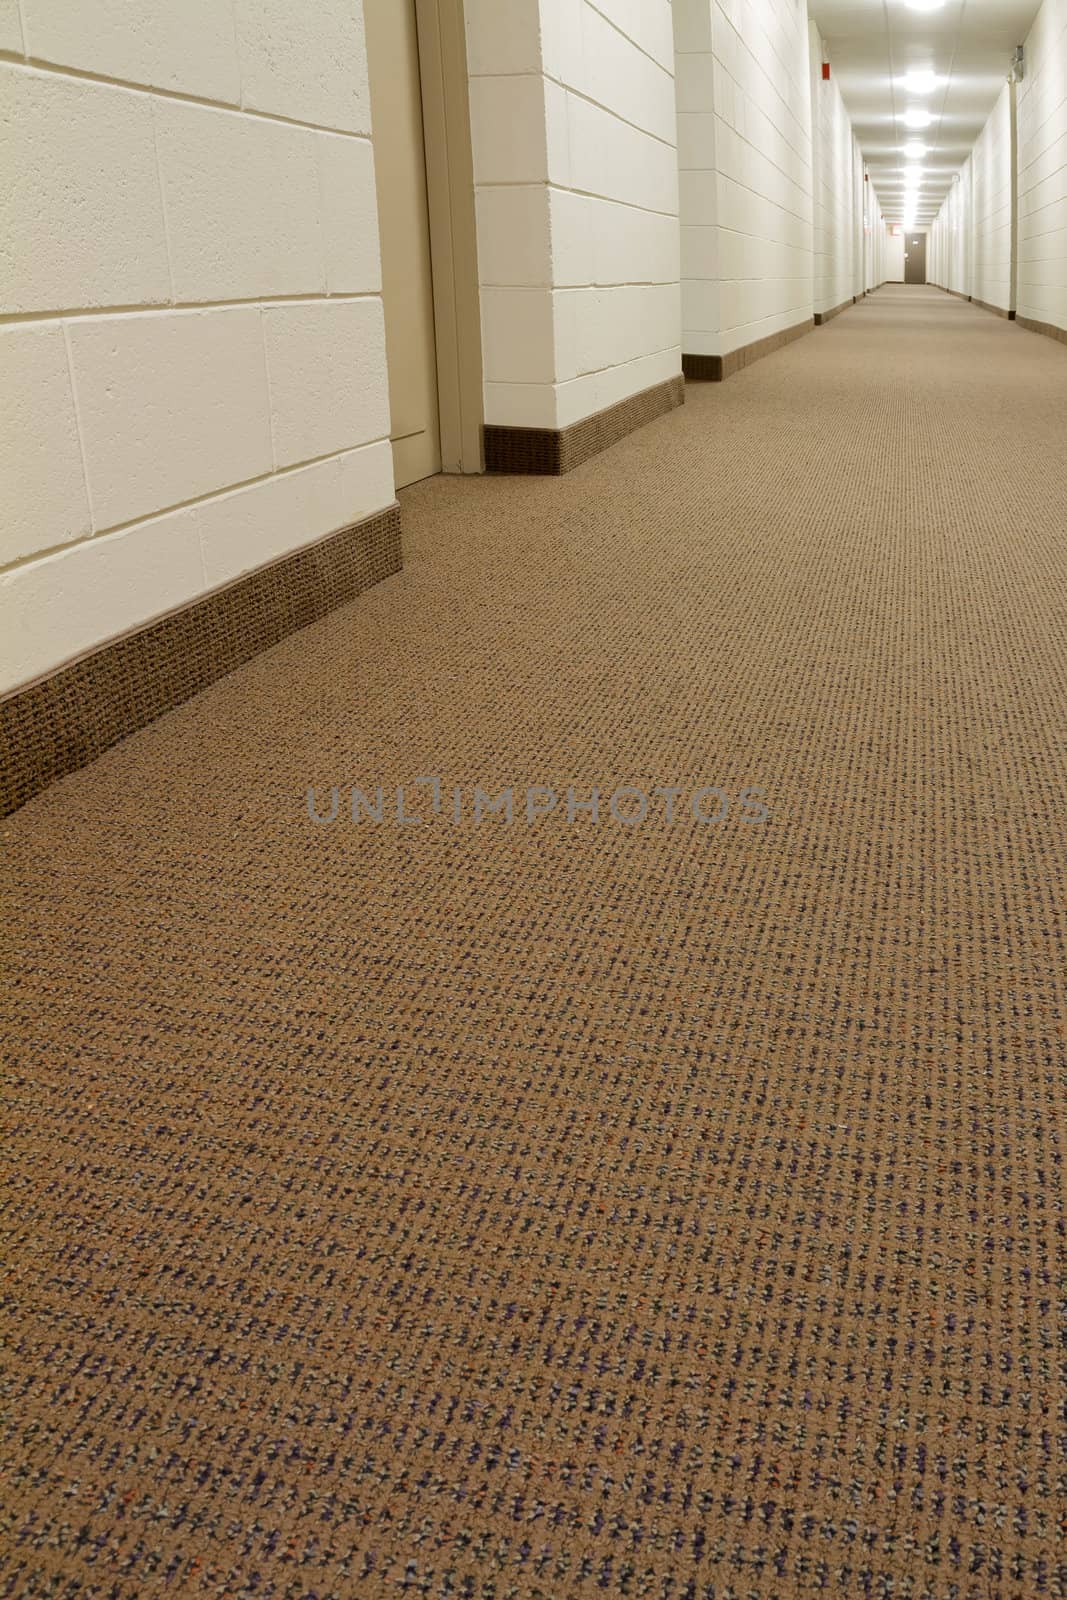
(576, 175)
(745, 154)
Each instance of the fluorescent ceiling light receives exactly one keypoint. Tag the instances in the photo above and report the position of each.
(924, 5)
(917, 119)
(915, 173)
(914, 149)
(920, 82)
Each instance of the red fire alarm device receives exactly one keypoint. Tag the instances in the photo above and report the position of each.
(826, 69)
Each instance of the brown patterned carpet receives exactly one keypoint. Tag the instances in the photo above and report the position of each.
(580, 1209)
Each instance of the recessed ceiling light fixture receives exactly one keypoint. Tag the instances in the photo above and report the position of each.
(917, 119)
(924, 5)
(920, 82)
(914, 150)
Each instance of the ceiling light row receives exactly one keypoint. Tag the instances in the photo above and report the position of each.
(917, 82)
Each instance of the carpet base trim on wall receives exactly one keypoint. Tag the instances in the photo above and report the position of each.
(824, 316)
(550, 452)
(1049, 329)
(64, 721)
(713, 369)
(998, 311)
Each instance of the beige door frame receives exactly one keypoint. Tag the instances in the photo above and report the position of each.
(453, 234)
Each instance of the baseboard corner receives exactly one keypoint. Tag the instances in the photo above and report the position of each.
(552, 452)
(714, 369)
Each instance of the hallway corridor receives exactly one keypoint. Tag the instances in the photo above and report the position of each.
(565, 1208)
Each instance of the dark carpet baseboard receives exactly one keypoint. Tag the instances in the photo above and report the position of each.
(550, 452)
(66, 720)
(713, 369)
(998, 311)
(824, 316)
(1049, 329)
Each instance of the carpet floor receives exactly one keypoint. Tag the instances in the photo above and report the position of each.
(523, 1210)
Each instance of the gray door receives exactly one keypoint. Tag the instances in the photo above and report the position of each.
(915, 258)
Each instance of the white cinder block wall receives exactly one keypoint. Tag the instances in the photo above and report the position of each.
(859, 205)
(963, 237)
(1042, 157)
(874, 230)
(939, 246)
(948, 240)
(991, 164)
(744, 132)
(936, 247)
(894, 258)
(835, 267)
(196, 382)
(576, 177)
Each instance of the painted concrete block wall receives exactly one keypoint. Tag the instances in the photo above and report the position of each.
(1042, 162)
(744, 135)
(991, 166)
(576, 177)
(874, 230)
(883, 245)
(894, 258)
(964, 237)
(936, 248)
(835, 269)
(948, 242)
(195, 383)
(859, 202)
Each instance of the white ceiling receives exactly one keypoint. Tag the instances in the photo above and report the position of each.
(871, 44)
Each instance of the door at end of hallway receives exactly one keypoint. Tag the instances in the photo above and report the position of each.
(915, 258)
